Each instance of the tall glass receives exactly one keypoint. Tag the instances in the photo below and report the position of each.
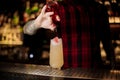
(56, 49)
(56, 53)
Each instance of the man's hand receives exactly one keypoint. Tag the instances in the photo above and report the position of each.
(44, 20)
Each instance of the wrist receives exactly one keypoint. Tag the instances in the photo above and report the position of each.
(30, 28)
(35, 25)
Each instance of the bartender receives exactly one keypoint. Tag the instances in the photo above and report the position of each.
(82, 25)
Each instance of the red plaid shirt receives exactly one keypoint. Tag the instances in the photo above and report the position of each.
(82, 28)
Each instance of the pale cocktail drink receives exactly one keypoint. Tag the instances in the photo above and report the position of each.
(56, 53)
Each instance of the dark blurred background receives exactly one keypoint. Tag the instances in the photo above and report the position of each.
(35, 49)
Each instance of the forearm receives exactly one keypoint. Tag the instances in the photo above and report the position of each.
(30, 28)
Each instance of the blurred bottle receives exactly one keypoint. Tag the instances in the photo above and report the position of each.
(35, 7)
(107, 3)
(27, 11)
(16, 18)
(113, 10)
(34, 10)
(1, 19)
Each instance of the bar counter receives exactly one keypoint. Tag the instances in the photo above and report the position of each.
(18, 71)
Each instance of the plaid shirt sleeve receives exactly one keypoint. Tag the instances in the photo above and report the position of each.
(79, 31)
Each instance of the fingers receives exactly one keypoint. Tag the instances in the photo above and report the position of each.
(49, 14)
(43, 9)
(57, 17)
